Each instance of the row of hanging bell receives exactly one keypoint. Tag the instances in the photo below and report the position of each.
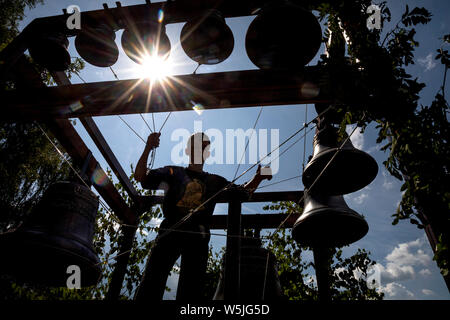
(283, 35)
(336, 168)
(57, 235)
(258, 274)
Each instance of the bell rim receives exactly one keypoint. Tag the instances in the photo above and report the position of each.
(37, 56)
(334, 220)
(90, 267)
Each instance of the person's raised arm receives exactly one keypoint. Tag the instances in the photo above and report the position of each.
(141, 167)
(253, 184)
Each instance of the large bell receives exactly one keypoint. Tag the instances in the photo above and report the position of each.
(49, 49)
(145, 39)
(327, 221)
(258, 274)
(349, 171)
(95, 44)
(58, 234)
(283, 36)
(207, 39)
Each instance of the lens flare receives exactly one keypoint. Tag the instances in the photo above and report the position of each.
(160, 15)
(99, 177)
(198, 108)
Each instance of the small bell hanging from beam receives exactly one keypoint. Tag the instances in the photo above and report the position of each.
(145, 39)
(95, 44)
(58, 234)
(48, 47)
(207, 39)
(283, 36)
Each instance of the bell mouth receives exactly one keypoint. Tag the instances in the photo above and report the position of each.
(324, 227)
(42, 258)
(349, 171)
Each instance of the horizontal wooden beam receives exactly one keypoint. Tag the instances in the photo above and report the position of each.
(263, 221)
(225, 197)
(176, 93)
(174, 12)
(257, 221)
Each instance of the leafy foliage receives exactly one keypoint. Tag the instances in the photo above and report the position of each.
(348, 276)
(371, 84)
(11, 14)
(29, 165)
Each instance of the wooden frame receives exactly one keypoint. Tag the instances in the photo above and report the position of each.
(54, 105)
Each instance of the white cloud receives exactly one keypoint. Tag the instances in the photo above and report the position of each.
(427, 292)
(374, 148)
(388, 180)
(360, 199)
(357, 138)
(427, 62)
(393, 272)
(425, 272)
(397, 291)
(388, 185)
(400, 263)
(405, 254)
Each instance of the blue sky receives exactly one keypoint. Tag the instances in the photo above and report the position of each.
(402, 252)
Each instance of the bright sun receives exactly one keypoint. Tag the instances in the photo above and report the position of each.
(154, 67)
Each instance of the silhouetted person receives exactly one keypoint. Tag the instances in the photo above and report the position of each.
(185, 189)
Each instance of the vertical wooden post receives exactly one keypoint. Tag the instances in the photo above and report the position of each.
(321, 263)
(233, 251)
(122, 262)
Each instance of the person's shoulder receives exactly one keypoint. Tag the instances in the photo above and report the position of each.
(217, 177)
(168, 169)
(174, 169)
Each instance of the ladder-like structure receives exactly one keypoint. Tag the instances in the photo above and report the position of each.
(55, 105)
